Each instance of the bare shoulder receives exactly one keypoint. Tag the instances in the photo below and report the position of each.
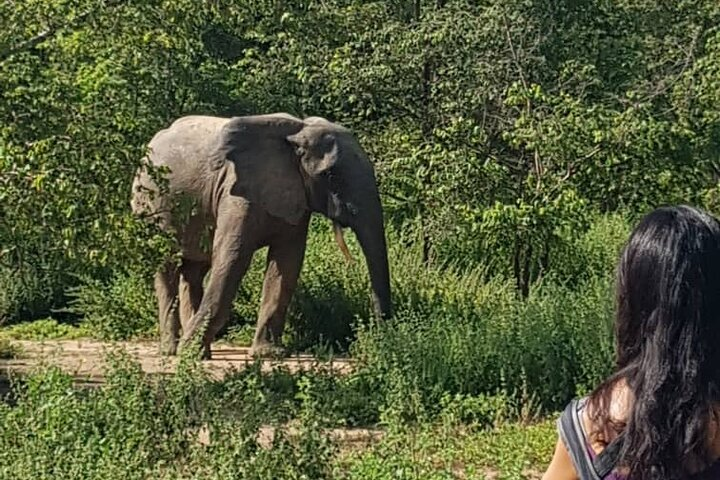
(561, 466)
(620, 404)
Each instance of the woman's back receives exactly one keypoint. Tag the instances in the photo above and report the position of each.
(584, 448)
(662, 398)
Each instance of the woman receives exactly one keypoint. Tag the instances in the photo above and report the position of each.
(657, 416)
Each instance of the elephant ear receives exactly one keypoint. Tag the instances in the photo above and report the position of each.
(265, 170)
(317, 149)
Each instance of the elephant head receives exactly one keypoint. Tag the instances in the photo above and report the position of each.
(340, 184)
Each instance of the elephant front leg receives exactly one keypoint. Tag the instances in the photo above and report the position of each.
(284, 262)
(166, 291)
(233, 248)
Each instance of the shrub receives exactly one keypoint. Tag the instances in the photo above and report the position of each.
(26, 293)
(137, 427)
(594, 253)
(9, 350)
(279, 395)
(44, 329)
(473, 338)
(119, 309)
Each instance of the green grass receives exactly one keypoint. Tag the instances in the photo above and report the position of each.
(511, 451)
(240, 335)
(479, 339)
(45, 329)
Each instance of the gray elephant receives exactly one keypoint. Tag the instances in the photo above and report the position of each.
(253, 181)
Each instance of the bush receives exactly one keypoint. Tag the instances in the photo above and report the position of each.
(279, 395)
(119, 309)
(595, 253)
(44, 329)
(138, 427)
(26, 293)
(8, 350)
(432, 452)
(122, 429)
(467, 337)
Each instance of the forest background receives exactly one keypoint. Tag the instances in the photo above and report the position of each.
(515, 141)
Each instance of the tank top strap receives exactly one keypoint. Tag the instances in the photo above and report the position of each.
(573, 436)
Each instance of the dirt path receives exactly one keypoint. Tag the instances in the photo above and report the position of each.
(84, 359)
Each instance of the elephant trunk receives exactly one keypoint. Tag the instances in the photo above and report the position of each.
(371, 236)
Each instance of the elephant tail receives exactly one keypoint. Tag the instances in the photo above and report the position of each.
(340, 239)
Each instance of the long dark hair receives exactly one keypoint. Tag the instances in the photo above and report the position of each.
(668, 344)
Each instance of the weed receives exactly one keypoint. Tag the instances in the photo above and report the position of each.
(440, 453)
(27, 293)
(135, 427)
(461, 336)
(122, 308)
(240, 335)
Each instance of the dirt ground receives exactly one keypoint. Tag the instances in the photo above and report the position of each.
(84, 359)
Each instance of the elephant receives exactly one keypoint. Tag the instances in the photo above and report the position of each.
(252, 182)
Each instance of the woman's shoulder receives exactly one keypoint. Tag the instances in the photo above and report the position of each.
(619, 407)
(619, 404)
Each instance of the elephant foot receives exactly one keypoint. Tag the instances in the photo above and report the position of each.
(168, 349)
(205, 352)
(267, 350)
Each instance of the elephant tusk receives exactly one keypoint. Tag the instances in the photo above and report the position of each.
(340, 239)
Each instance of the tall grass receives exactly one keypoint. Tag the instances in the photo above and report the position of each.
(185, 426)
(487, 341)
(457, 333)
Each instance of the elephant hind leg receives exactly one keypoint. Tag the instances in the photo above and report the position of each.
(166, 292)
(192, 274)
(284, 262)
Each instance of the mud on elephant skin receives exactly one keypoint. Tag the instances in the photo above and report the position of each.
(253, 181)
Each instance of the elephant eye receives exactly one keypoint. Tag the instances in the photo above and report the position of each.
(351, 208)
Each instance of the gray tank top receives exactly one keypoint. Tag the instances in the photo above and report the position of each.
(588, 465)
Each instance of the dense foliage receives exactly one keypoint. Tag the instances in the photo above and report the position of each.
(188, 426)
(515, 142)
(496, 126)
